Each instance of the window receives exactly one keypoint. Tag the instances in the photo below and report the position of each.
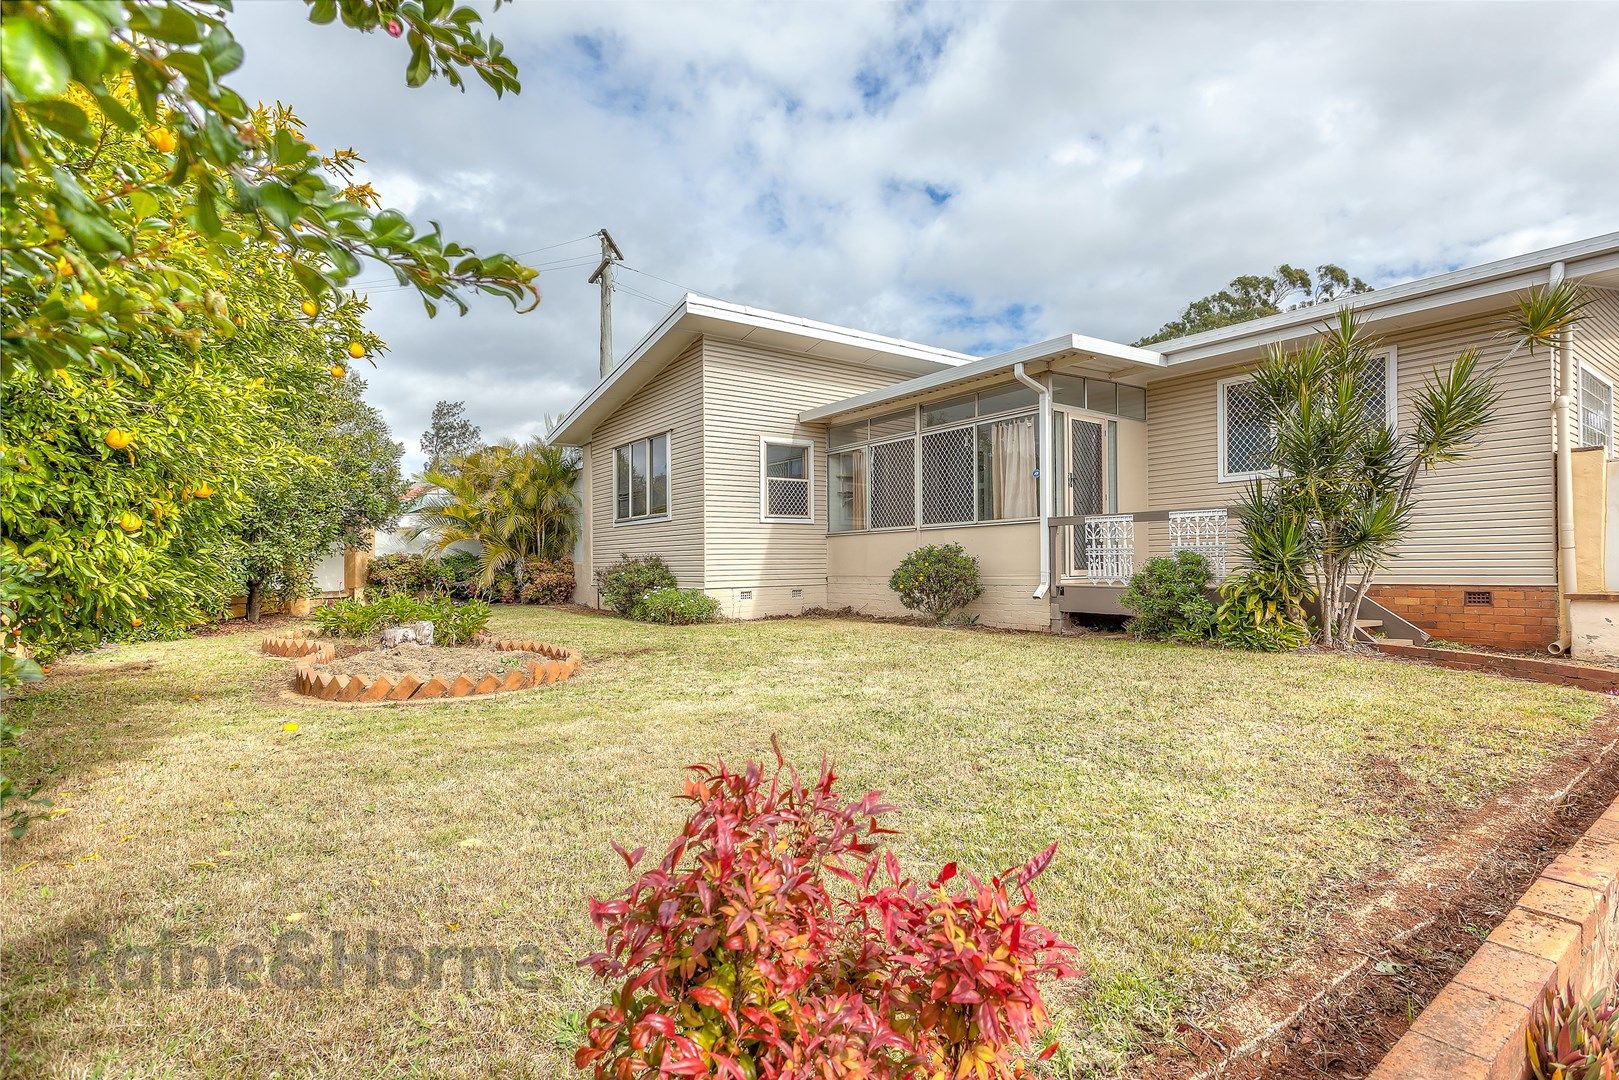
(1099, 395)
(1596, 409)
(785, 480)
(846, 490)
(981, 472)
(872, 486)
(1245, 436)
(641, 480)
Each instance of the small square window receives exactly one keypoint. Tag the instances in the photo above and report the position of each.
(784, 480)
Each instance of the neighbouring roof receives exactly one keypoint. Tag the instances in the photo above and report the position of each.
(700, 316)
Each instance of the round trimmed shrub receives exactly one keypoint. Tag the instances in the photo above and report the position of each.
(677, 607)
(937, 580)
(625, 582)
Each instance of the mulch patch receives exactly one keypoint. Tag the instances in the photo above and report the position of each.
(267, 625)
(1347, 1028)
(425, 661)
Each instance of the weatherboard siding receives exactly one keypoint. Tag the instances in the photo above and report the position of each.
(1596, 342)
(672, 402)
(1487, 520)
(750, 392)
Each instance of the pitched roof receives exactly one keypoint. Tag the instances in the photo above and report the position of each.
(698, 316)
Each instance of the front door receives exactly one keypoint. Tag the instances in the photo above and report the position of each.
(1086, 494)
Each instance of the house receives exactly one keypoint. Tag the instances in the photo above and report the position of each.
(781, 464)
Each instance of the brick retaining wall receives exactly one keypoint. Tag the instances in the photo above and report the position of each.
(1565, 928)
(1558, 672)
(1516, 617)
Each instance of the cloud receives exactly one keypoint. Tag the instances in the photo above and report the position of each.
(970, 176)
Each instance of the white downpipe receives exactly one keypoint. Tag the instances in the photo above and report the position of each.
(1046, 458)
(1563, 411)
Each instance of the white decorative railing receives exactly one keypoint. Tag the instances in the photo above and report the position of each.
(1110, 547)
(1206, 532)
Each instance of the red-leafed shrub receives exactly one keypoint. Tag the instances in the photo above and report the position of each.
(775, 940)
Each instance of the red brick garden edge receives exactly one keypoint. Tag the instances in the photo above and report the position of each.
(1562, 930)
(551, 664)
(1558, 672)
(318, 652)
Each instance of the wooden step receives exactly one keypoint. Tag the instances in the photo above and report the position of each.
(1368, 624)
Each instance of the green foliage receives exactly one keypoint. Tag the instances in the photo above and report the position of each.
(1254, 614)
(1170, 599)
(623, 584)
(450, 436)
(937, 580)
(453, 623)
(1343, 496)
(17, 804)
(515, 502)
(339, 480)
(547, 581)
(676, 607)
(1253, 296)
(206, 176)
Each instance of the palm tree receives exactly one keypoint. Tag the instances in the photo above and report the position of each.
(514, 501)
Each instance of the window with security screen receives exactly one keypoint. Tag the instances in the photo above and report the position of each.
(1245, 431)
(1596, 410)
(948, 489)
(1376, 386)
(893, 484)
(785, 480)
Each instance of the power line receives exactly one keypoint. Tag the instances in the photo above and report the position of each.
(520, 254)
(666, 281)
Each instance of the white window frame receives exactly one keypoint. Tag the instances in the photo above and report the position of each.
(1391, 415)
(808, 446)
(669, 468)
(1579, 407)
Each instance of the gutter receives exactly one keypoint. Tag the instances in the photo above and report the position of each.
(1044, 476)
(1563, 411)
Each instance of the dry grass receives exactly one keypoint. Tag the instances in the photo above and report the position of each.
(1207, 805)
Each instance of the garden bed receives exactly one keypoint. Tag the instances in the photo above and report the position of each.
(412, 672)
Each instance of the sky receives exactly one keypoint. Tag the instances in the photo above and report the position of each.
(975, 176)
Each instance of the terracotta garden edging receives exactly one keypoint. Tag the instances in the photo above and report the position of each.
(1564, 929)
(318, 652)
(551, 664)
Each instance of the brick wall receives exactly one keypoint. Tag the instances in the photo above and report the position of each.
(1516, 617)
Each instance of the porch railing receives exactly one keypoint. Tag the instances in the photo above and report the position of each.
(1105, 549)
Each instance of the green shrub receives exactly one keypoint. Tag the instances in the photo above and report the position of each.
(937, 580)
(624, 583)
(1170, 599)
(677, 607)
(547, 581)
(1253, 615)
(453, 623)
(406, 575)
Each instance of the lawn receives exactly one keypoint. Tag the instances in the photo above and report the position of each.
(1206, 804)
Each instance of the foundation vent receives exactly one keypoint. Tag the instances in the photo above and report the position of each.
(745, 594)
(798, 594)
(1478, 598)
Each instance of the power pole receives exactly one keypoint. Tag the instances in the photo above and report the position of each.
(604, 276)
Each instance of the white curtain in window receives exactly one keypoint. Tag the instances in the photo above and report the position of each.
(1010, 489)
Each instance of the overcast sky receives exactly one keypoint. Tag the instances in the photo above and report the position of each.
(976, 176)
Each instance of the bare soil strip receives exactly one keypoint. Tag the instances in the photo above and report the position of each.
(1339, 1009)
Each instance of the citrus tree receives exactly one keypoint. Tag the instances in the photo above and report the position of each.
(83, 80)
(339, 480)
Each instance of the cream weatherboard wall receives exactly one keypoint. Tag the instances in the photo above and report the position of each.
(1487, 520)
(672, 402)
(752, 567)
